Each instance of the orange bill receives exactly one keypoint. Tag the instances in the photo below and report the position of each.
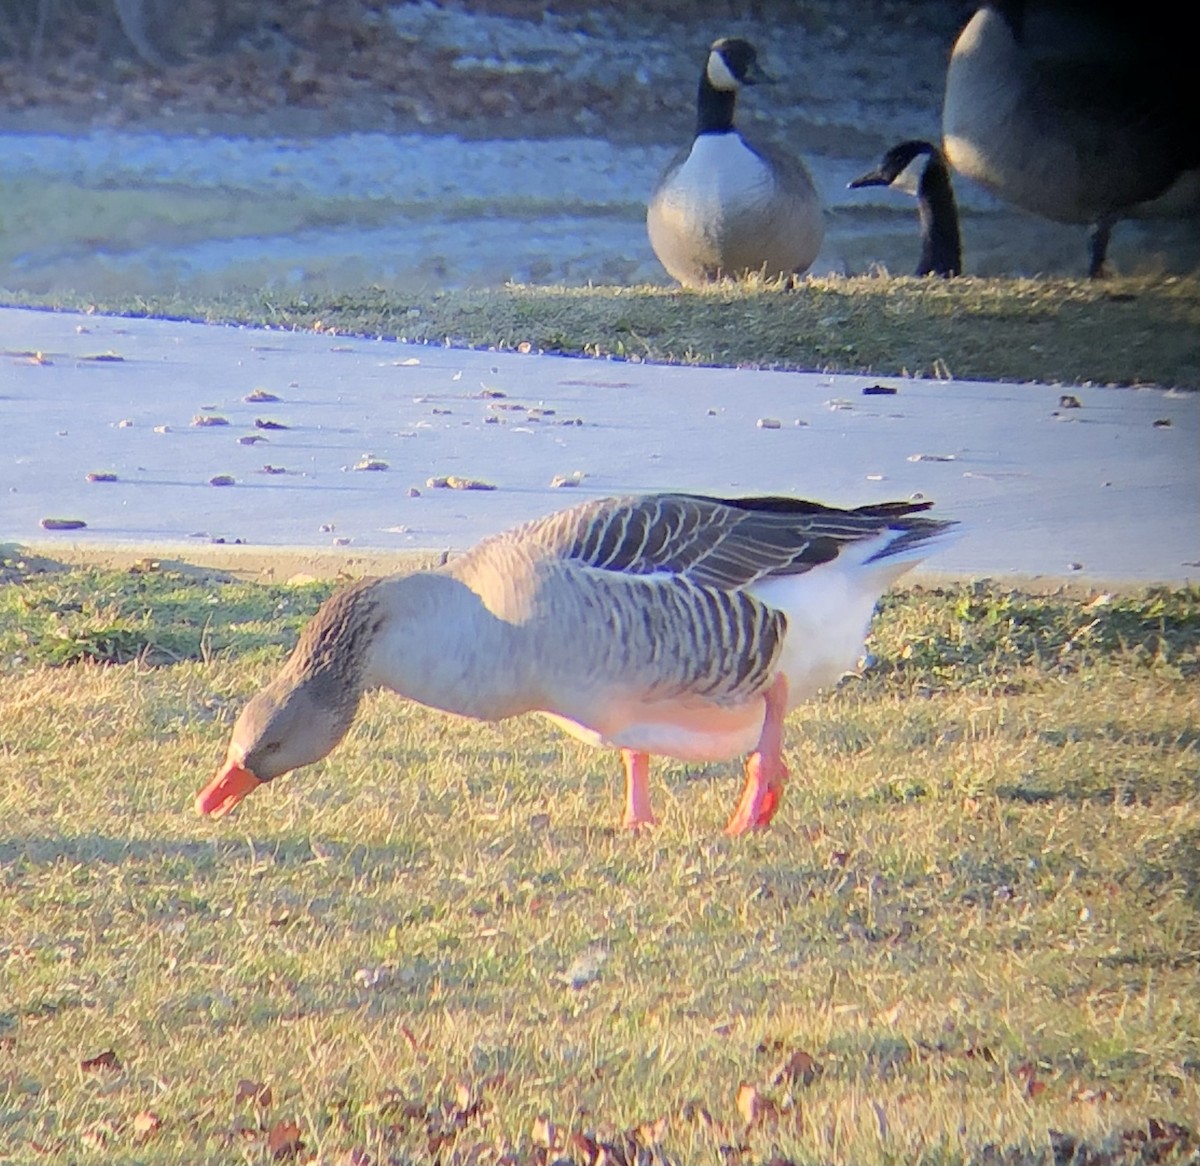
(231, 784)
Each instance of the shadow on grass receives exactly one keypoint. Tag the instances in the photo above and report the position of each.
(201, 858)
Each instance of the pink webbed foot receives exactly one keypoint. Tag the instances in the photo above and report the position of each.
(760, 795)
(765, 770)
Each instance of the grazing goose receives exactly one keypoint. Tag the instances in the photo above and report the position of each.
(670, 624)
(1079, 113)
(724, 208)
(918, 168)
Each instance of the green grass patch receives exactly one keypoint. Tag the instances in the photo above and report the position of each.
(1121, 331)
(975, 921)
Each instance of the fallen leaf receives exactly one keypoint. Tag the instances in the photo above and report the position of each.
(543, 1133)
(798, 1069)
(146, 1123)
(255, 1091)
(283, 1140)
(1026, 1072)
(105, 1060)
(754, 1107)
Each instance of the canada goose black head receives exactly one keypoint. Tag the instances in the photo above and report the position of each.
(918, 168)
(1078, 112)
(732, 62)
(726, 207)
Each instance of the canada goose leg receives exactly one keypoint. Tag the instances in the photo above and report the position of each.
(765, 770)
(1098, 250)
(637, 790)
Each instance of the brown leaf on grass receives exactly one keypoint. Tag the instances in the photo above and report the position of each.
(695, 1111)
(283, 1140)
(754, 1107)
(146, 1123)
(544, 1133)
(255, 1091)
(1026, 1073)
(799, 1069)
(105, 1060)
(1158, 1141)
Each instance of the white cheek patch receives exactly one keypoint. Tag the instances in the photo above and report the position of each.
(910, 176)
(719, 76)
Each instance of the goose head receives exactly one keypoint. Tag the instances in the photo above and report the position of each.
(301, 715)
(732, 63)
(919, 168)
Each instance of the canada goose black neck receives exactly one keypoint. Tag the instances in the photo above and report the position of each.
(941, 243)
(714, 108)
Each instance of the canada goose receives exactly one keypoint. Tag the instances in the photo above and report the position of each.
(918, 168)
(1076, 113)
(670, 624)
(724, 208)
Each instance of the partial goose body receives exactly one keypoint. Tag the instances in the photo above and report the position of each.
(725, 207)
(666, 624)
(1090, 122)
(919, 168)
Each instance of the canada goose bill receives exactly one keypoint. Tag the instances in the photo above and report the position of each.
(1079, 113)
(918, 168)
(724, 207)
(667, 624)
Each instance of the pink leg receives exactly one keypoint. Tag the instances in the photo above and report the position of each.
(765, 770)
(637, 790)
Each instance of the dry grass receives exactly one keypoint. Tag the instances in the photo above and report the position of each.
(1120, 331)
(978, 911)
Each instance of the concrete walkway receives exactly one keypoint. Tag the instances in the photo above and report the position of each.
(1090, 485)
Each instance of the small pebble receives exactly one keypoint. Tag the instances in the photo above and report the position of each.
(1075, 566)
(454, 482)
(879, 391)
(560, 481)
(491, 419)
(260, 396)
(341, 541)
(371, 464)
(251, 439)
(326, 528)
(162, 429)
(1163, 423)
(102, 476)
(62, 524)
(441, 412)
(1069, 401)
(263, 423)
(105, 358)
(207, 420)
(413, 492)
(769, 423)
(273, 470)
(126, 423)
(931, 457)
(222, 480)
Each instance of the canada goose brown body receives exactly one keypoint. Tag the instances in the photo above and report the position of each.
(1080, 113)
(726, 207)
